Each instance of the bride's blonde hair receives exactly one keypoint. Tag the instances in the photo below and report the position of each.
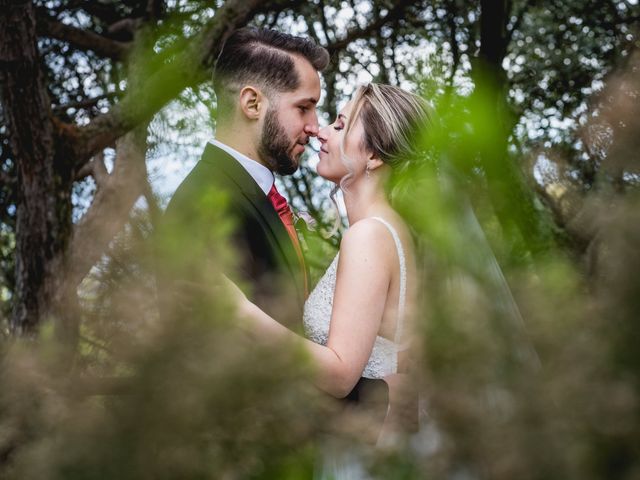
(392, 119)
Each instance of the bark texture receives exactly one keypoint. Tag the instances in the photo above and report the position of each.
(44, 196)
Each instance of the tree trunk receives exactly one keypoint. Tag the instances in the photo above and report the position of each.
(48, 152)
(511, 197)
(43, 213)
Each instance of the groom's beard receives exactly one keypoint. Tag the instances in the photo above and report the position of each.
(275, 147)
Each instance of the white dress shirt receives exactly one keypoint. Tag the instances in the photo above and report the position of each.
(261, 174)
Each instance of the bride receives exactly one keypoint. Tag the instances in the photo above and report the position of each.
(356, 318)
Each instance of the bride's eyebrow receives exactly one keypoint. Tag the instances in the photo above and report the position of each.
(342, 117)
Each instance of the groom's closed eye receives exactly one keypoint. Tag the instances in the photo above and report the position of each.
(307, 104)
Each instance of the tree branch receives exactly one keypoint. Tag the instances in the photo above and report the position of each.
(97, 169)
(105, 12)
(455, 49)
(93, 343)
(155, 212)
(383, 75)
(79, 38)
(89, 102)
(395, 13)
(311, 31)
(84, 171)
(325, 26)
(125, 29)
(114, 198)
(186, 69)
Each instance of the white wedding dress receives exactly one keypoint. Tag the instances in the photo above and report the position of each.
(317, 315)
(383, 361)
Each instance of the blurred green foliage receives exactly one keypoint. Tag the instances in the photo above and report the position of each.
(527, 369)
(528, 365)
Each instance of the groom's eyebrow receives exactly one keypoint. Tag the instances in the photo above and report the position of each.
(309, 100)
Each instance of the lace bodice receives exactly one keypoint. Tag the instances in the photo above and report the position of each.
(317, 316)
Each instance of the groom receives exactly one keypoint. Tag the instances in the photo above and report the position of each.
(267, 86)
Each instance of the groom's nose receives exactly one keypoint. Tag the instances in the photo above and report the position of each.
(312, 127)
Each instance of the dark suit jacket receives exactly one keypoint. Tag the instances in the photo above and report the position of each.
(266, 257)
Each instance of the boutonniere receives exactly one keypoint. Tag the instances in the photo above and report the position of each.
(307, 219)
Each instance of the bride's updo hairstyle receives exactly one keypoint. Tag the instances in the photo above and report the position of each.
(393, 120)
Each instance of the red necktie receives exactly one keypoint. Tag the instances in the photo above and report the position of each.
(284, 212)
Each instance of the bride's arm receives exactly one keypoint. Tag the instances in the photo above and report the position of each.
(362, 285)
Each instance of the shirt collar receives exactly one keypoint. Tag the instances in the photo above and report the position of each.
(261, 174)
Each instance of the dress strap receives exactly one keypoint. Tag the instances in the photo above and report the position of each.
(403, 277)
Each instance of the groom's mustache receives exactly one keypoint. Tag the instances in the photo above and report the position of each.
(303, 142)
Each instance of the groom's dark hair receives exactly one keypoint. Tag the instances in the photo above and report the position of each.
(261, 57)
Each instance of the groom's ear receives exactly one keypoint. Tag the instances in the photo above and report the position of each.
(251, 102)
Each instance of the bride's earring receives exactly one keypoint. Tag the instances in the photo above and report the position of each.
(367, 171)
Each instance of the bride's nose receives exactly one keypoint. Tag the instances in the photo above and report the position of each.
(322, 135)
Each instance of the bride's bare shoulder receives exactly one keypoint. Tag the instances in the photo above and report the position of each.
(365, 236)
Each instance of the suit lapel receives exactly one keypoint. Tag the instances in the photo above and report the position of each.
(261, 205)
